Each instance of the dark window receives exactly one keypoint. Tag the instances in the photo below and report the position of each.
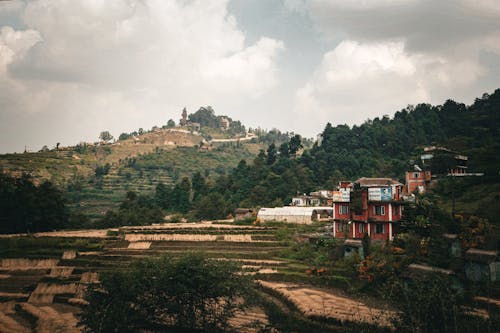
(343, 227)
(343, 210)
(379, 210)
(379, 228)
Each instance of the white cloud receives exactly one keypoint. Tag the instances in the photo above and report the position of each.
(357, 81)
(394, 53)
(125, 63)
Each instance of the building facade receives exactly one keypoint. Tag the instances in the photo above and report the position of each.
(371, 206)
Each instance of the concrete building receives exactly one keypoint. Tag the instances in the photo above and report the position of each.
(369, 205)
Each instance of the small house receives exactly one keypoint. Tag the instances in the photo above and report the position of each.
(482, 265)
(243, 213)
(353, 246)
(419, 271)
(454, 245)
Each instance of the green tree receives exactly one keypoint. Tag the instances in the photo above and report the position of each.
(295, 144)
(124, 136)
(170, 123)
(167, 294)
(212, 206)
(26, 207)
(105, 136)
(271, 154)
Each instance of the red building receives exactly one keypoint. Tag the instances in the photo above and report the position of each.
(369, 205)
(418, 181)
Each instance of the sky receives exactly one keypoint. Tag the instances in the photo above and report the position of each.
(71, 69)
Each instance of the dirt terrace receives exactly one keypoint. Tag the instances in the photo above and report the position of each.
(313, 302)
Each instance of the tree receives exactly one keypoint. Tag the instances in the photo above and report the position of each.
(271, 154)
(134, 210)
(25, 207)
(167, 294)
(428, 304)
(124, 136)
(212, 206)
(295, 144)
(284, 150)
(105, 136)
(170, 123)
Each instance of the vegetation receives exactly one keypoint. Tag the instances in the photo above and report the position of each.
(167, 294)
(25, 207)
(135, 210)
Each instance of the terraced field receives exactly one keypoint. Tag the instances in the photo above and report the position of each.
(44, 292)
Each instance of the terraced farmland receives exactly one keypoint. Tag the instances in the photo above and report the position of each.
(44, 292)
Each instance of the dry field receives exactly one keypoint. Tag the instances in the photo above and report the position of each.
(313, 302)
(43, 293)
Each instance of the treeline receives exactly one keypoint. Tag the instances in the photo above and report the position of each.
(26, 207)
(384, 146)
(380, 147)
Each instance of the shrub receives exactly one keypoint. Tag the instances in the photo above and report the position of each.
(186, 294)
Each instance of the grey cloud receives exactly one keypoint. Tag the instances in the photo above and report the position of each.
(426, 25)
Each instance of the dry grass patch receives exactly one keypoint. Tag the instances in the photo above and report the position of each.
(49, 320)
(317, 303)
(27, 264)
(139, 245)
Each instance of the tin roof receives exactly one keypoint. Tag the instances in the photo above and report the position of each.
(481, 255)
(429, 269)
(293, 211)
(377, 182)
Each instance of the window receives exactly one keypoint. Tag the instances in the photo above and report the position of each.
(415, 175)
(343, 210)
(361, 228)
(343, 227)
(379, 228)
(379, 210)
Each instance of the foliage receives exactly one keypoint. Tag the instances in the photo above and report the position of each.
(26, 207)
(212, 207)
(102, 170)
(157, 294)
(135, 210)
(105, 136)
(124, 136)
(429, 304)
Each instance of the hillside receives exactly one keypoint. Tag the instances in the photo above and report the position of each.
(382, 147)
(96, 176)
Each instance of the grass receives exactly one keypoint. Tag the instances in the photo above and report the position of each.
(45, 246)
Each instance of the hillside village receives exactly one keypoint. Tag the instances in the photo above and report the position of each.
(320, 243)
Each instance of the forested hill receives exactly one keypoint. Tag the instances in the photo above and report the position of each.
(384, 146)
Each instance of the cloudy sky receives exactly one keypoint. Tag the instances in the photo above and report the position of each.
(70, 69)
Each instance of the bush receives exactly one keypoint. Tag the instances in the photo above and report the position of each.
(186, 294)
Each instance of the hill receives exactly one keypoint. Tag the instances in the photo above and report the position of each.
(382, 147)
(96, 176)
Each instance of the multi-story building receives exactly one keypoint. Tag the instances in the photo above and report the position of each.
(418, 180)
(443, 161)
(371, 206)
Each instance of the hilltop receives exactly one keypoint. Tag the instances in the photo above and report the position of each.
(97, 175)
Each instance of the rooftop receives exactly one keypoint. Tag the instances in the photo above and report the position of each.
(376, 182)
